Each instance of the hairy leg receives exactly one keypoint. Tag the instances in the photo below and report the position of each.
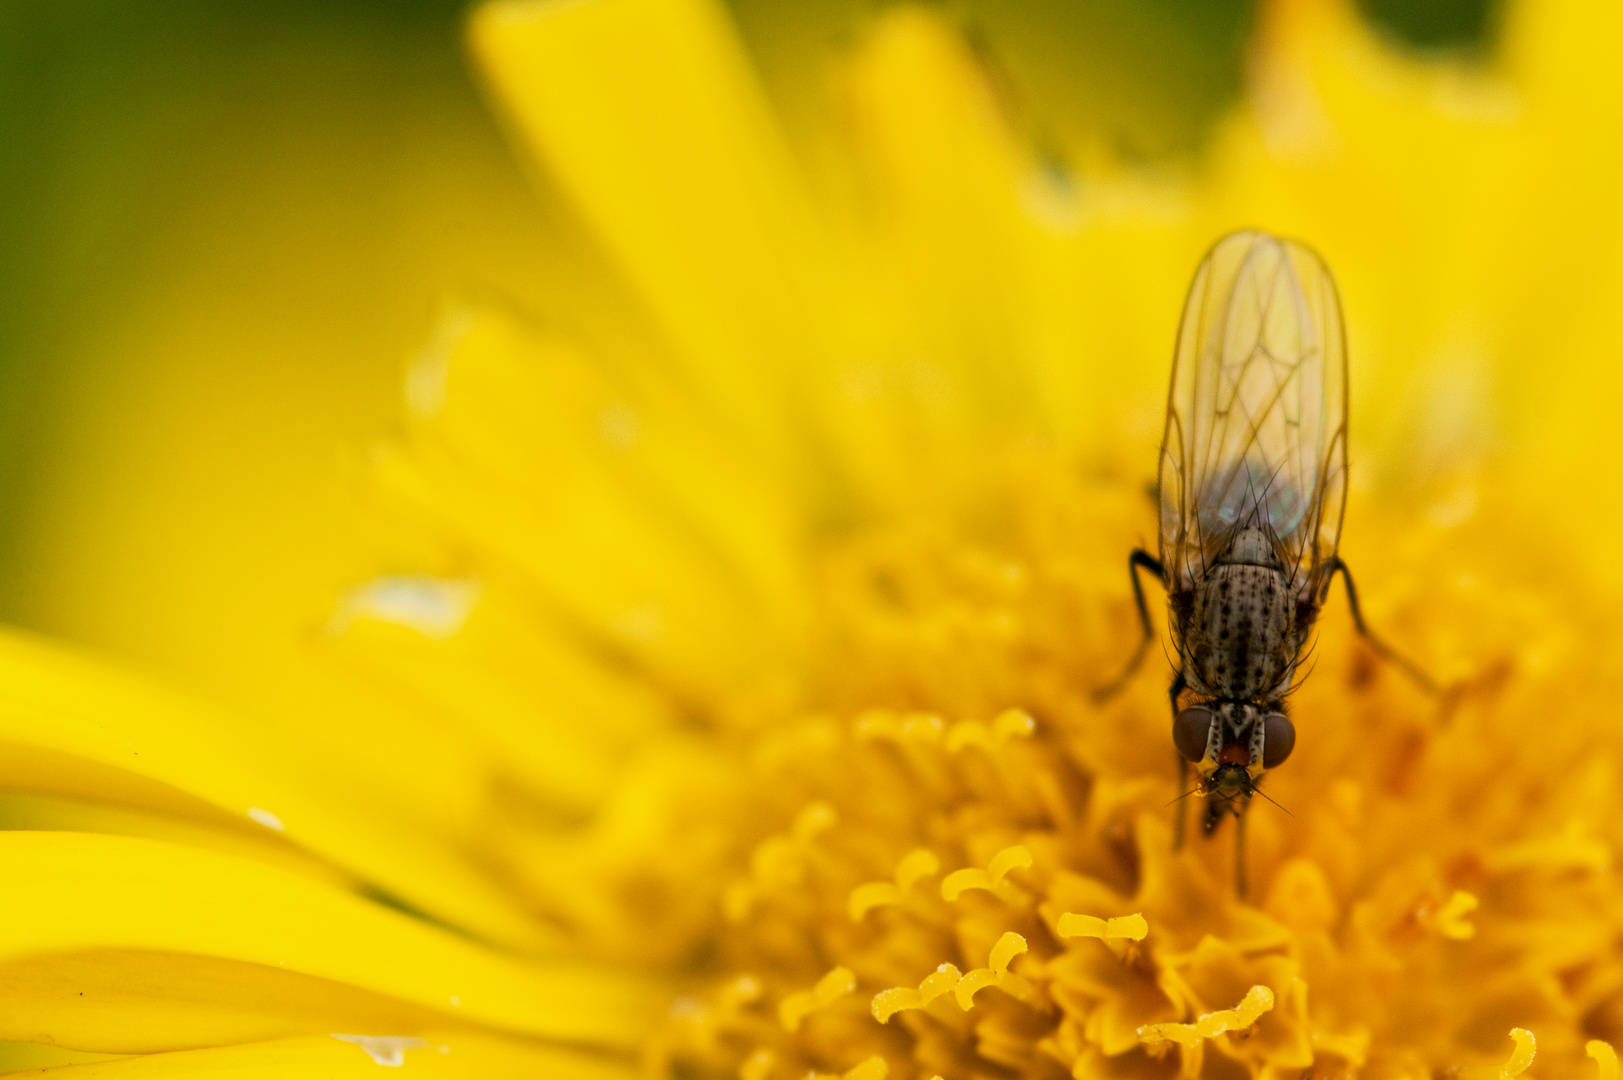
(1382, 649)
(1138, 560)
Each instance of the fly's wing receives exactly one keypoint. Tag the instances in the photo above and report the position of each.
(1257, 414)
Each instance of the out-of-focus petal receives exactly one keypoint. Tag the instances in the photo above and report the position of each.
(602, 505)
(74, 728)
(435, 1053)
(648, 116)
(125, 945)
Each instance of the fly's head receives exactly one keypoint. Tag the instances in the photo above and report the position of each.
(1231, 743)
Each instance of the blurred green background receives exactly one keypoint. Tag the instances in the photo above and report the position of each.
(224, 228)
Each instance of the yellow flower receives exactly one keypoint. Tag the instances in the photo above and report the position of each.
(745, 627)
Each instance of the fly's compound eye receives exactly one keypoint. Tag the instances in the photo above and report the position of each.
(1189, 732)
(1278, 739)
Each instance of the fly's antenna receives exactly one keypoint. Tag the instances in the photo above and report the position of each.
(1192, 791)
(1255, 790)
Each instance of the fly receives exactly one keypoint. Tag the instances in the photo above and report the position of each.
(1253, 486)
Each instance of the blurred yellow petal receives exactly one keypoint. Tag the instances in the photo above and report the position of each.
(523, 459)
(74, 728)
(983, 248)
(174, 947)
(558, 721)
(435, 1053)
(646, 113)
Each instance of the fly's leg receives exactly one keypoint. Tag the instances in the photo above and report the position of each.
(1382, 649)
(1143, 560)
(1239, 853)
(1178, 810)
(1139, 559)
(1178, 685)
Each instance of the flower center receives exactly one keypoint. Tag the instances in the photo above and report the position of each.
(964, 866)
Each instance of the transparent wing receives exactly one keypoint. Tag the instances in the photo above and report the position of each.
(1257, 413)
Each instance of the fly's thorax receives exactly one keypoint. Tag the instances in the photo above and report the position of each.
(1238, 632)
(1251, 547)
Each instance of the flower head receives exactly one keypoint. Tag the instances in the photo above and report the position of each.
(749, 625)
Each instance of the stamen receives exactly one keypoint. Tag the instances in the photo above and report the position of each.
(778, 861)
(1010, 724)
(915, 865)
(883, 724)
(1258, 1000)
(814, 818)
(1451, 921)
(756, 1066)
(742, 991)
(1009, 946)
(996, 973)
(1133, 927)
(1522, 1056)
(1605, 1057)
(829, 989)
(961, 881)
(888, 1003)
(873, 1068)
(1574, 848)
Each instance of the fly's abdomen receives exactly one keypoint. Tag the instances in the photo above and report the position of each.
(1240, 640)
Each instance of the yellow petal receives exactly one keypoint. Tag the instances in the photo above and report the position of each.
(435, 1053)
(551, 717)
(595, 491)
(244, 925)
(70, 727)
(994, 250)
(646, 114)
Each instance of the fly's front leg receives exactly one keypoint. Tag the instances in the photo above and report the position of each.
(1139, 559)
(1180, 811)
(1382, 649)
(1239, 853)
